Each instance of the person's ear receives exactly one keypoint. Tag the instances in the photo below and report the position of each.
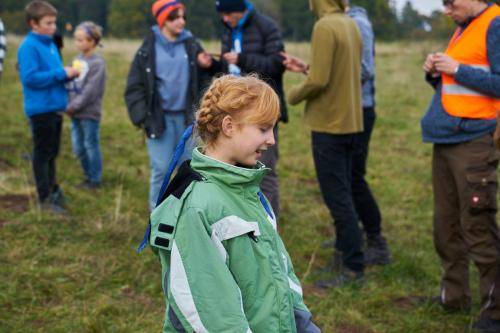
(33, 24)
(228, 126)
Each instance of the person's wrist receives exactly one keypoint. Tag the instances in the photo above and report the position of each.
(306, 69)
(456, 69)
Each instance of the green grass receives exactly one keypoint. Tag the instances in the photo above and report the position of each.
(81, 274)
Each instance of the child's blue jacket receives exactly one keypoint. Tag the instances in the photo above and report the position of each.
(42, 75)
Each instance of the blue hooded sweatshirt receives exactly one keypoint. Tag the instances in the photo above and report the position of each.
(360, 16)
(172, 70)
(42, 75)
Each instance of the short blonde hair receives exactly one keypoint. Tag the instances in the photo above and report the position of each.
(92, 30)
(247, 99)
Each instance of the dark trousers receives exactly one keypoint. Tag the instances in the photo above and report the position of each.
(46, 132)
(364, 201)
(465, 184)
(333, 156)
(270, 183)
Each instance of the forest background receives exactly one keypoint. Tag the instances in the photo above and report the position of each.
(131, 18)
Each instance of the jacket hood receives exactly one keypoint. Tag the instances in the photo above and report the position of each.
(227, 174)
(185, 34)
(321, 8)
(358, 11)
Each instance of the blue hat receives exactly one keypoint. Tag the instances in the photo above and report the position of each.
(229, 6)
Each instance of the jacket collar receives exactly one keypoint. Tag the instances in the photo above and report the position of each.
(46, 39)
(227, 174)
(184, 35)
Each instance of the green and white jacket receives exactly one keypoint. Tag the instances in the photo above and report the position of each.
(224, 266)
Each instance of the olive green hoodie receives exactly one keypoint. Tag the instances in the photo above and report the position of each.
(332, 89)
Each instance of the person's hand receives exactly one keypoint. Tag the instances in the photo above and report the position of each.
(71, 73)
(429, 67)
(496, 136)
(231, 57)
(429, 64)
(294, 64)
(445, 64)
(204, 60)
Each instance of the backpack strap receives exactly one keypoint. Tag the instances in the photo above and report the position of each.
(166, 227)
(163, 223)
(179, 150)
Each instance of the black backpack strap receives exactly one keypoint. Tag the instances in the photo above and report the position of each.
(184, 177)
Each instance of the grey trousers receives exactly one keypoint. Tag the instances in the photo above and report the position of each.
(270, 183)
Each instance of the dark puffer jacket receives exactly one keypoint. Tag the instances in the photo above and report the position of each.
(141, 95)
(261, 47)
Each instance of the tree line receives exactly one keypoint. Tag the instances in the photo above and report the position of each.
(132, 18)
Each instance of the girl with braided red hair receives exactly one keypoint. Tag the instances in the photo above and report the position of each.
(224, 266)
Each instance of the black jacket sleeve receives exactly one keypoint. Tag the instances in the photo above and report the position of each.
(270, 63)
(136, 92)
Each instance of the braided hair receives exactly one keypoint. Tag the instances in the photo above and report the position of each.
(247, 99)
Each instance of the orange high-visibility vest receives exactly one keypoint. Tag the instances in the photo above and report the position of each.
(470, 48)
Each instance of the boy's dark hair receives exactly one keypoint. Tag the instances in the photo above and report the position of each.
(38, 9)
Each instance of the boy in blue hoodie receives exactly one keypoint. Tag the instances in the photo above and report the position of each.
(43, 77)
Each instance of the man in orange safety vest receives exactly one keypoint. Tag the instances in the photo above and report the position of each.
(462, 123)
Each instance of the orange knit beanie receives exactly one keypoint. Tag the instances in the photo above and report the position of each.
(162, 8)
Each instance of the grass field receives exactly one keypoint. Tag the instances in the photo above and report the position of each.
(81, 273)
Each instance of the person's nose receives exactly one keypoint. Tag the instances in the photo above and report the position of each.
(270, 139)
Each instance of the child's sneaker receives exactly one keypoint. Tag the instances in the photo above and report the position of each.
(53, 208)
(92, 185)
(57, 197)
(88, 185)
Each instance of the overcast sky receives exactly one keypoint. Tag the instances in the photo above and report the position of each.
(423, 6)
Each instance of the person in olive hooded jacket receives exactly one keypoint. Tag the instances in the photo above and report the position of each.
(333, 111)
